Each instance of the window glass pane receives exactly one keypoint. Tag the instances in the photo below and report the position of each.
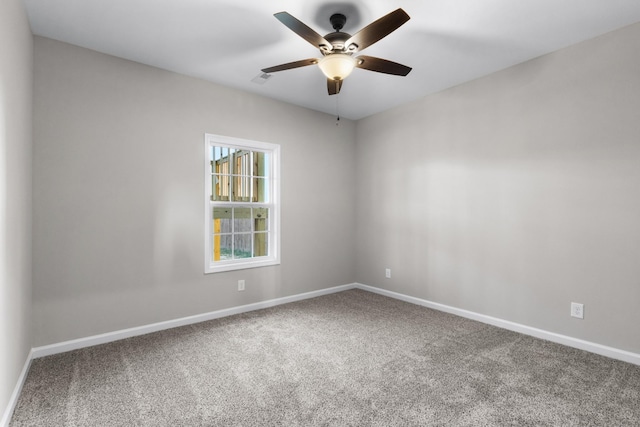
(242, 246)
(221, 168)
(220, 157)
(261, 219)
(222, 247)
(242, 220)
(220, 187)
(221, 153)
(260, 164)
(221, 220)
(260, 190)
(214, 154)
(241, 188)
(242, 163)
(260, 244)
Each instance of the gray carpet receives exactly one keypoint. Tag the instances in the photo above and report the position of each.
(347, 359)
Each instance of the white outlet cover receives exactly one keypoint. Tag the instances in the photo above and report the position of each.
(577, 310)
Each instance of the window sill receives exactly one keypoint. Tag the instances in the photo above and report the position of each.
(240, 265)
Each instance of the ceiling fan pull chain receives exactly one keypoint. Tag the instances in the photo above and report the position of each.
(337, 106)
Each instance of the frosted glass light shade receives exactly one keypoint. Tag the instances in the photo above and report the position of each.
(337, 66)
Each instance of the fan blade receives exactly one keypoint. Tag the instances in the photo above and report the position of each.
(377, 30)
(303, 31)
(380, 65)
(334, 86)
(290, 65)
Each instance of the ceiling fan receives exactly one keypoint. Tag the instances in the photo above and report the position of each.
(338, 48)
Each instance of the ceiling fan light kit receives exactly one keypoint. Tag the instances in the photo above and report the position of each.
(338, 48)
(337, 66)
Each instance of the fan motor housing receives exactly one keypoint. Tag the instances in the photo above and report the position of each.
(337, 40)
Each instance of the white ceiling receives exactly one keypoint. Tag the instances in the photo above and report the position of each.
(447, 42)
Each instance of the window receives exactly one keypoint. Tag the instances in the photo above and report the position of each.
(242, 209)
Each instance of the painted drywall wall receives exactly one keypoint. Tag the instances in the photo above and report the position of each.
(118, 194)
(515, 194)
(16, 76)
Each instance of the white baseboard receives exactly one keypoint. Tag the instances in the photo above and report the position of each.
(602, 350)
(62, 347)
(13, 400)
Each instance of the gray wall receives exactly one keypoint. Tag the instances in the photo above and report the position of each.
(511, 196)
(16, 76)
(514, 194)
(118, 194)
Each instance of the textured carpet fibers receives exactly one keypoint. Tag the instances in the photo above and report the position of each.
(348, 359)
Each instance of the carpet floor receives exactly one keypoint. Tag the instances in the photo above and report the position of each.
(352, 358)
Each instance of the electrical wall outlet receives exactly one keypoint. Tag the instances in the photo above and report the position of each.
(241, 285)
(387, 273)
(577, 310)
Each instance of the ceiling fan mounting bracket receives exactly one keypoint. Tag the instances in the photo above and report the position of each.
(337, 21)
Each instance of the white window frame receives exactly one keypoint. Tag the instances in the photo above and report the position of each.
(211, 266)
